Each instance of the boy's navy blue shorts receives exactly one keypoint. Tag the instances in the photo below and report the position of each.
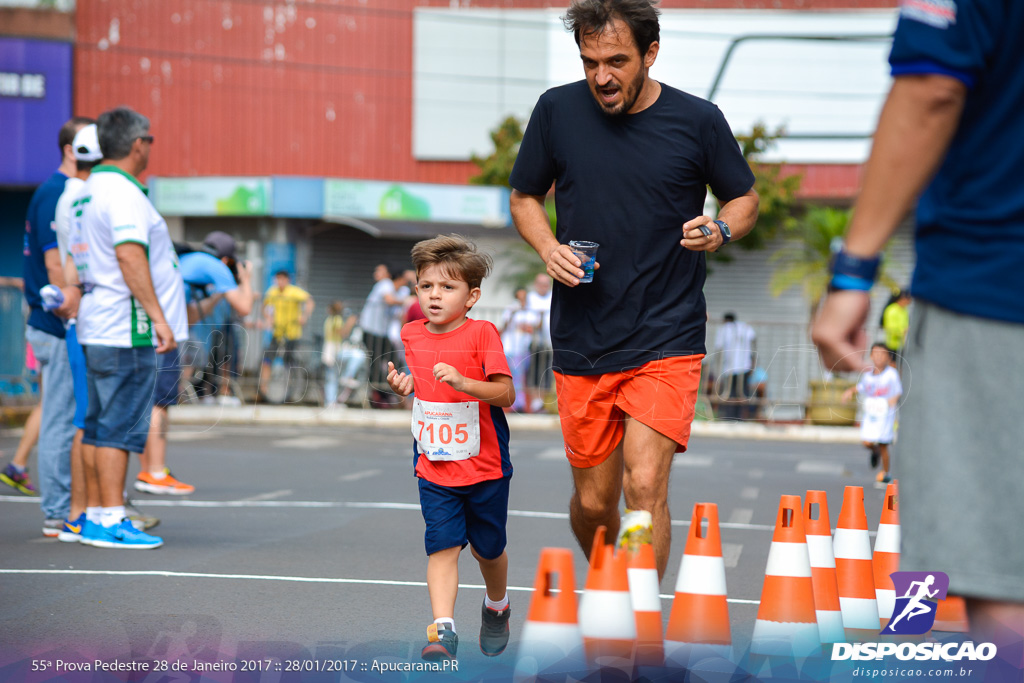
(457, 515)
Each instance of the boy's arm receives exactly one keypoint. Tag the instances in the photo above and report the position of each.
(497, 390)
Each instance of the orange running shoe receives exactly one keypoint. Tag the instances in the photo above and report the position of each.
(168, 486)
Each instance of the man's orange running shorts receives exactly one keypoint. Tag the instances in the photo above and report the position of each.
(662, 394)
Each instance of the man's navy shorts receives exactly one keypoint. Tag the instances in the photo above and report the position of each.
(168, 377)
(457, 515)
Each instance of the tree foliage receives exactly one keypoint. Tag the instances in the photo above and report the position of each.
(497, 167)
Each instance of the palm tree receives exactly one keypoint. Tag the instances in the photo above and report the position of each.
(806, 263)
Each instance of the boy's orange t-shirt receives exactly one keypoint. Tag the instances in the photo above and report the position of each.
(475, 350)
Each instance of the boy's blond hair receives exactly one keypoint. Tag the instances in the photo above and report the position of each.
(457, 256)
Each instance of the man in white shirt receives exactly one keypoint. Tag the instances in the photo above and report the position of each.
(133, 308)
(734, 343)
(540, 377)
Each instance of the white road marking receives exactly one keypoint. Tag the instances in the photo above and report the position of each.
(692, 461)
(750, 492)
(270, 495)
(290, 579)
(741, 516)
(308, 443)
(756, 474)
(369, 505)
(820, 467)
(731, 554)
(356, 476)
(190, 436)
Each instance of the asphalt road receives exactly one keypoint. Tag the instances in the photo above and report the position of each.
(305, 544)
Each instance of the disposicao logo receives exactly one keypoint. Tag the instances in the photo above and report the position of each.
(917, 599)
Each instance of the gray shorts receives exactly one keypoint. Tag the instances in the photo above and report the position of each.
(960, 454)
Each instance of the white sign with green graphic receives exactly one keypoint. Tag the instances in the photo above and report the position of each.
(416, 202)
(220, 196)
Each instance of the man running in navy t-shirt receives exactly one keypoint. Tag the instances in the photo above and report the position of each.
(631, 160)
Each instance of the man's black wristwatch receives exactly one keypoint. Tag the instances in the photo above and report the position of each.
(726, 232)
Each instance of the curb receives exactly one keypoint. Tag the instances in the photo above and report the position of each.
(399, 419)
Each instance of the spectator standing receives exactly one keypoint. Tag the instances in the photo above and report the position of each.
(518, 326)
(374, 321)
(951, 138)
(631, 160)
(43, 265)
(895, 323)
(540, 378)
(337, 327)
(734, 342)
(286, 308)
(84, 478)
(133, 308)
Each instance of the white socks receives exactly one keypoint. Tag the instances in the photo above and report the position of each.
(162, 474)
(112, 516)
(496, 606)
(94, 515)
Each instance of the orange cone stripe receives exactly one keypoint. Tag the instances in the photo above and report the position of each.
(546, 605)
(826, 590)
(793, 600)
(856, 578)
(699, 619)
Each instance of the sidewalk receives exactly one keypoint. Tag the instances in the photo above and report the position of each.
(399, 419)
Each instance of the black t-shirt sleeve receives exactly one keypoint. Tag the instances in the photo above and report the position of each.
(728, 173)
(534, 170)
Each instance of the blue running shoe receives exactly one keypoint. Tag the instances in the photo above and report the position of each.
(124, 535)
(90, 532)
(71, 532)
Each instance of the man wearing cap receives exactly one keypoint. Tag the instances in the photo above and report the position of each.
(45, 332)
(208, 276)
(84, 480)
(133, 308)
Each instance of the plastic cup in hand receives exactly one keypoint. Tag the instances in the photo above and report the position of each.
(587, 254)
(52, 297)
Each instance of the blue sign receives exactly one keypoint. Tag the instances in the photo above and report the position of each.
(35, 101)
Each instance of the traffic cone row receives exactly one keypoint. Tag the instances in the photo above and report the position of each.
(818, 589)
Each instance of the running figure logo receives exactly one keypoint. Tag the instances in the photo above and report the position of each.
(914, 613)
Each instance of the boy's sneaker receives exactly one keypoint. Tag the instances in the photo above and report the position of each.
(494, 630)
(442, 643)
(90, 532)
(168, 486)
(52, 527)
(18, 480)
(139, 521)
(71, 531)
(124, 535)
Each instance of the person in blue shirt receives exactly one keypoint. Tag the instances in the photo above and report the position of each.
(209, 275)
(951, 136)
(45, 332)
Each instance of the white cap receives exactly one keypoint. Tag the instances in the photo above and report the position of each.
(87, 144)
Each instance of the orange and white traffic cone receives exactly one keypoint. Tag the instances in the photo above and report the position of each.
(645, 594)
(606, 610)
(786, 623)
(823, 568)
(951, 615)
(698, 626)
(551, 640)
(854, 571)
(886, 558)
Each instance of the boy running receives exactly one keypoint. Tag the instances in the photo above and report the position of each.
(460, 448)
(881, 389)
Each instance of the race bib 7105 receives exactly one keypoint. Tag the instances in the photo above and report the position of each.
(446, 431)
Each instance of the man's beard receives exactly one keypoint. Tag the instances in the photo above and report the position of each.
(630, 94)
